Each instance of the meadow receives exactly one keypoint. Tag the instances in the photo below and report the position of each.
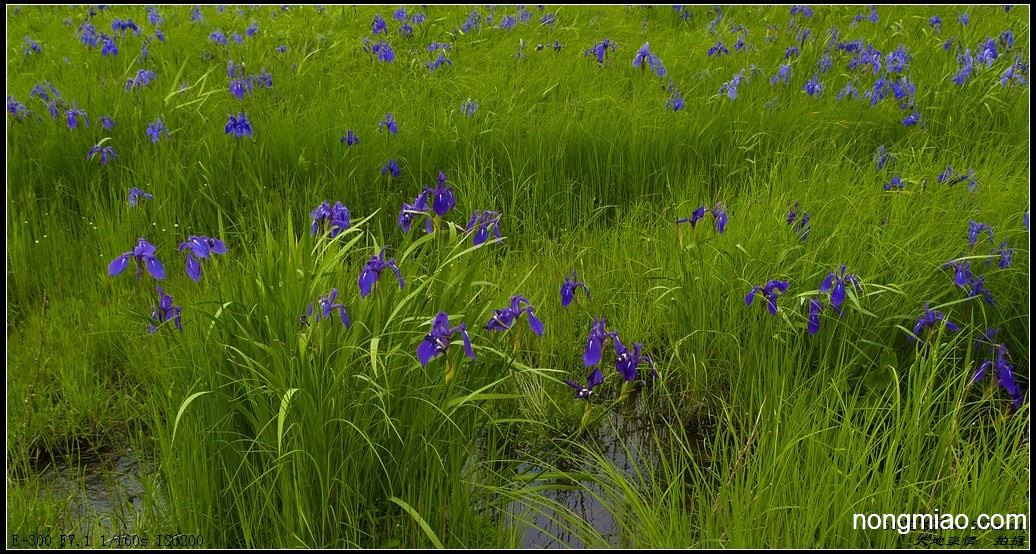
(517, 276)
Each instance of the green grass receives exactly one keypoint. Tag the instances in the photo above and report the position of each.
(263, 432)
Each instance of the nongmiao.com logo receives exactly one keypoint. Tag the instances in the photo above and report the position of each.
(905, 523)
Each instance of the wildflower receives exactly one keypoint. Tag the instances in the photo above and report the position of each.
(484, 219)
(719, 212)
(337, 218)
(1004, 376)
(593, 380)
(156, 129)
(144, 255)
(783, 75)
(881, 157)
(106, 152)
(896, 61)
(471, 23)
(547, 19)
(569, 287)
(962, 275)
(442, 199)
(379, 25)
(469, 107)
(771, 290)
(391, 167)
(389, 123)
(439, 61)
(237, 38)
(804, 11)
(697, 214)
(43, 91)
(627, 362)
(675, 101)
(418, 18)
(239, 126)
(964, 18)
(121, 26)
(140, 80)
(595, 342)
(218, 37)
(263, 79)
(504, 319)
(825, 64)
(135, 194)
(198, 248)
(196, 14)
(108, 46)
(437, 341)
(153, 16)
(383, 51)
(1006, 39)
(816, 307)
(372, 273)
(849, 90)
(73, 116)
(350, 138)
(929, 319)
(252, 29)
(281, 49)
(327, 305)
(730, 87)
(88, 34)
(31, 46)
(1005, 256)
(791, 51)
(896, 183)
(935, 22)
(987, 53)
(813, 86)
(718, 49)
(835, 283)
(967, 65)
(16, 108)
(165, 311)
(975, 228)
(739, 44)
(508, 22)
(600, 49)
(1015, 72)
(240, 87)
(420, 206)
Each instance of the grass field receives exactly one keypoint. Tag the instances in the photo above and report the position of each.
(257, 424)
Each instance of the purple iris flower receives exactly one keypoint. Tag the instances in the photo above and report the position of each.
(1005, 256)
(805, 11)
(719, 212)
(239, 126)
(675, 101)
(442, 198)
(975, 228)
(198, 248)
(897, 60)
(73, 115)
(156, 129)
(484, 219)
(645, 55)
(967, 64)
(144, 255)
(595, 342)
(1016, 73)
(816, 307)
(987, 52)
(337, 218)
(593, 380)
(140, 80)
(372, 273)
(783, 75)
(252, 29)
(391, 167)
(791, 51)
(31, 46)
(135, 194)
(771, 290)
(383, 51)
(196, 14)
(628, 361)
(439, 61)
(88, 34)
(240, 87)
(437, 341)
(327, 305)
(569, 287)
(896, 183)
(504, 319)
(350, 138)
(718, 49)
(153, 16)
(388, 123)
(1004, 376)
(929, 319)
(848, 91)
(282, 49)
(16, 108)
(419, 207)
(730, 87)
(469, 107)
(912, 119)
(697, 214)
(379, 25)
(108, 46)
(962, 275)
(218, 37)
(978, 288)
(935, 22)
(600, 50)
(106, 152)
(165, 311)
(813, 86)
(835, 283)
(881, 157)
(825, 63)
(739, 44)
